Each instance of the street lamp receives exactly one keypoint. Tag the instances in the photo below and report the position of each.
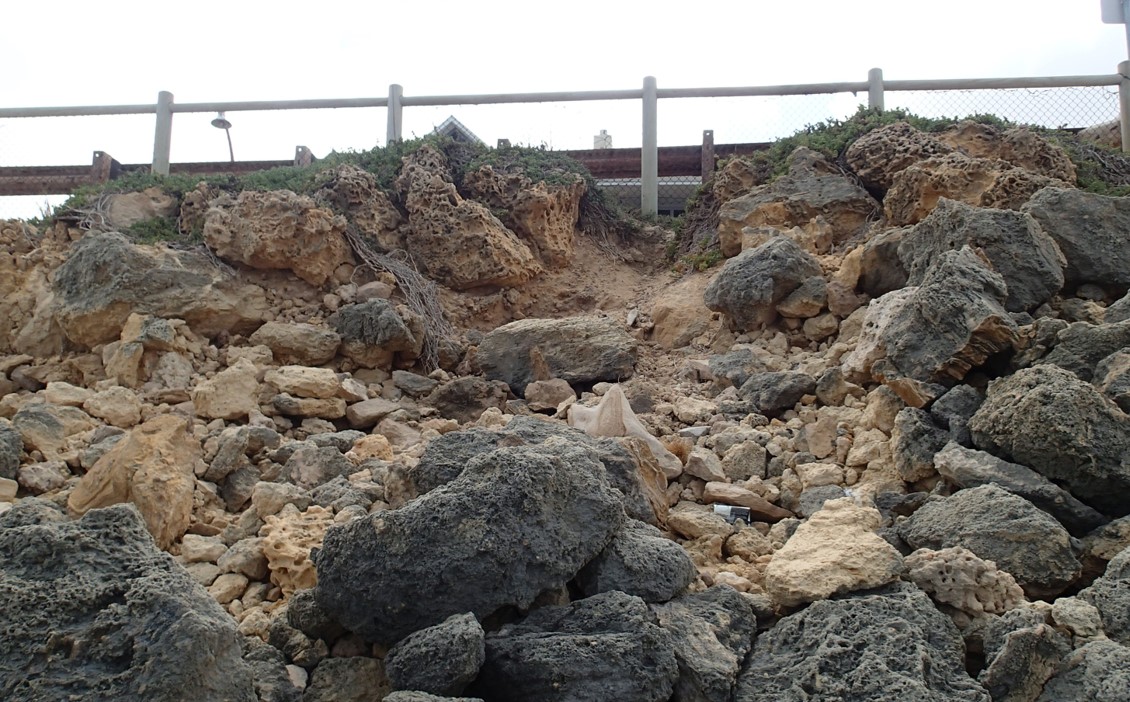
(222, 122)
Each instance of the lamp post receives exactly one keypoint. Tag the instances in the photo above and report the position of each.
(222, 122)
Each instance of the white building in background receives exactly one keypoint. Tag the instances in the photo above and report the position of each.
(602, 140)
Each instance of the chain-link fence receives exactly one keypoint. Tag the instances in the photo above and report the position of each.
(605, 134)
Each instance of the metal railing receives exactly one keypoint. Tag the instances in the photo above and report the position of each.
(649, 95)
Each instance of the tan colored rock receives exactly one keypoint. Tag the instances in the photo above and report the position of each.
(287, 540)
(152, 467)
(679, 314)
(229, 395)
(201, 549)
(818, 474)
(46, 428)
(835, 551)
(975, 181)
(878, 156)
(63, 393)
(125, 209)
(692, 410)
(1019, 146)
(959, 578)
(117, 406)
(548, 394)
(299, 344)
(400, 435)
(458, 241)
(357, 193)
(371, 446)
(302, 381)
(331, 408)
(705, 465)
(760, 509)
(228, 587)
(8, 490)
(366, 414)
(695, 522)
(278, 230)
(38, 478)
(652, 479)
(748, 544)
(542, 214)
(1108, 134)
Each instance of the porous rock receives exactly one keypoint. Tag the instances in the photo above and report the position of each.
(877, 156)
(750, 285)
(94, 611)
(1046, 418)
(1000, 527)
(958, 578)
(639, 561)
(1110, 594)
(875, 646)
(441, 659)
(575, 349)
(1096, 671)
(516, 522)
(773, 392)
(603, 647)
(1021, 652)
(1093, 231)
(300, 344)
(288, 539)
(374, 333)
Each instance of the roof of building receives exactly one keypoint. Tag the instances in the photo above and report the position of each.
(455, 129)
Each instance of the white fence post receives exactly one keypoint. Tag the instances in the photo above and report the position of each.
(395, 114)
(163, 137)
(875, 89)
(1124, 102)
(649, 153)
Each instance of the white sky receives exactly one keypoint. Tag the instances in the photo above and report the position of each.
(57, 52)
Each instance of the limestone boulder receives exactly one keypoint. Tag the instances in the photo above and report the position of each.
(1014, 244)
(813, 194)
(441, 660)
(979, 182)
(303, 381)
(133, 623)
(278, 230)
(106, 278)
(543, 214)
(288, 538)
(153, 468)
(1019, 146)
(1000, 527)
(1108, 134)
(126, 209)
(378, 334)
(870, 647)
(679, 314)
(1093, 231)
(299, 344)
(835, 551)
(231, 394)
(958, 578)
(1110, 594)
(879, 155)
(1063, 428)
(458, 241)
(574, 349)
(751, 284)
(603, 647)
(935, 332)
(515, 522)
(47, 428)
(117, 406)
(354, 191)
(639, 561)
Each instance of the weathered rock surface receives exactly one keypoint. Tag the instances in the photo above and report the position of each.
(878, 646)
(968, 468)
(1081, 346)
(106, 278)
(1110, 594)
(1028, 259)
(1019, 146)
(602, 647)
(712, 632)
(1098, 671)
(94, 611)
(352, 679)
(1000, 527)
(914, 441)
(152, 468)
(1063, 428)
(639, 561)
(1093, 231)
(776, 391)
(356, 192)
(1021, 652)
(374, 334)
(575, 349)
(515, 522)
(879, 155)
(935, 332)
(750, 285)
(459, 241)
(465, 399)
(231, 394)
(835, 551)
(441, 660)
(300, 344)
(813, 189)
(11, 446)
(278, 230)
(679, 314)
(958, 578)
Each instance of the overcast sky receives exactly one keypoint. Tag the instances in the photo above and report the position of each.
(124, 52)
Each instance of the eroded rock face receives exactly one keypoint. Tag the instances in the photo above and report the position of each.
(877, 646)
(575, 349)
(376, 334)
(152, 468)
(544, 215)
(935, 332)
(459, 241)
(106, 278)
(750, 285)
(812, 190)
(441, 660)
(516, 522)
(1095, 671)
(1110, 594)
(1093, 231)
(958, 578)
(602, 647)
(1019, 146)
(278, 230)
(355, 191)
(1046, 418)
(879, 155)
(99, 613)
(981, 182)
(639, 561)
(1018, 249)
(302, 344)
